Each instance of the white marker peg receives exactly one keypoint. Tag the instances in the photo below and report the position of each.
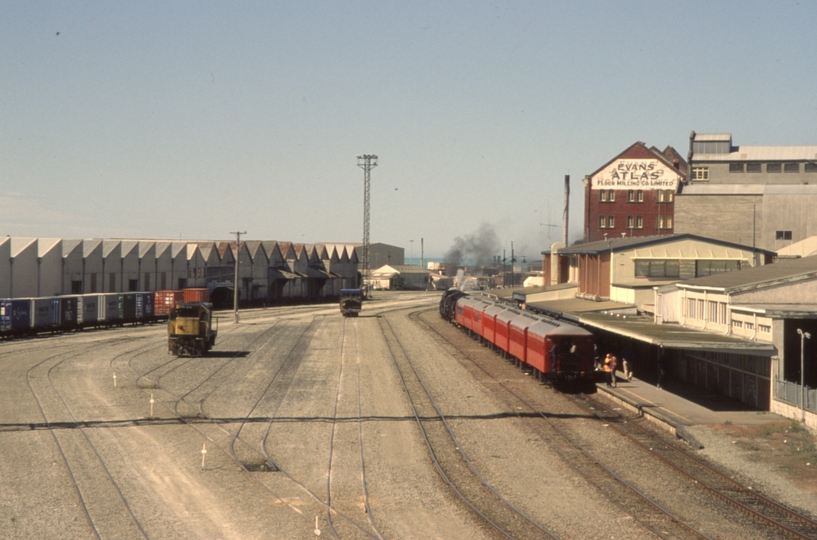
(317, 531)
(151, 405)
(203, 454)
(114, 379)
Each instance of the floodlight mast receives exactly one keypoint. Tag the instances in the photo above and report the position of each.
(366, 162)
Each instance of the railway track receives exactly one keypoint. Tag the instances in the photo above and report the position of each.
(630, 500)
(773, 517)
(451, 461)
(755, 505)
(106, 509)
(275, 382)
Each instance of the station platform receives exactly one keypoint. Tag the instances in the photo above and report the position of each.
(678, 405)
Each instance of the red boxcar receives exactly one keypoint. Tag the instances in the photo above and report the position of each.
(196, 295)
(164, 301)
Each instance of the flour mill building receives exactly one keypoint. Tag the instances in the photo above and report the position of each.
(765, 196)
(633, 194)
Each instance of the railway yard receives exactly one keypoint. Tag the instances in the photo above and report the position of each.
(393, 424)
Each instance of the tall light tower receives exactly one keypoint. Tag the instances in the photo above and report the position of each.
(366, 162)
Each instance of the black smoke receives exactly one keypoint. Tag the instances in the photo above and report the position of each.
(479, 248)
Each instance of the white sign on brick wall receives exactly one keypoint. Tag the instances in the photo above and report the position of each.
(636, 174)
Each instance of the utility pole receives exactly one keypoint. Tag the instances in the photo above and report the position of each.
(235, 281)
(803, 336)
(366, 162)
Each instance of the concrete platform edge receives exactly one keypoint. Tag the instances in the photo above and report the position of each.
(663, 421)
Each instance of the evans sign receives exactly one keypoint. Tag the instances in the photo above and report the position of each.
(636, 174)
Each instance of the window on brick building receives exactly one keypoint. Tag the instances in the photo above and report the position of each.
(603, 195)
(791, 167)
(773, 167)
(611, 222)
(602, 222)
(782, 235)
(639, 222)
(753, 168)
(639, 195)
(736, 167)
(611, 195)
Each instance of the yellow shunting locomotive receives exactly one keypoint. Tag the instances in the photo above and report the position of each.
(190, 329)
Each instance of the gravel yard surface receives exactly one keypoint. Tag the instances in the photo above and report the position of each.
(303, 417)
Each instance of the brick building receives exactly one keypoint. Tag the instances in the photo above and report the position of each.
(633, 194)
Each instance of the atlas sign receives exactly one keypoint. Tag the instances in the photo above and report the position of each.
(636, 174)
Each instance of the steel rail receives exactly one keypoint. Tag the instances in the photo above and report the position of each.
(731, 491)
(645, 500)
(528, 525)
(90, 444)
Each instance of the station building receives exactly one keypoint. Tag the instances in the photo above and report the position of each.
(764, 196)
(773, 305)
(633, 194)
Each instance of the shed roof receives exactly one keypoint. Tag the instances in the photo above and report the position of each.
(618, 243)
(573, 308)
(672, 336)
(781, 272)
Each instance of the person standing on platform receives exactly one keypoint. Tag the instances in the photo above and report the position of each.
(613, 362)
(606, 369)
(626, 356)
(596, 362)
(660, 375)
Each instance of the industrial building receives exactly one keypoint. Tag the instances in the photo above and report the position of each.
(412, 277)
(633, 194)
(765, 196)
(269, 271)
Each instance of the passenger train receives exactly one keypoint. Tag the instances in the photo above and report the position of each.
(555, 350)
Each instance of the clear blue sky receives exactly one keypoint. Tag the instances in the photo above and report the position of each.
(157, 119)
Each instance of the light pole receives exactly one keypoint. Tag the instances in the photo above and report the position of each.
(411, 258)
(803, 337)
(235, 283)
(366, 162)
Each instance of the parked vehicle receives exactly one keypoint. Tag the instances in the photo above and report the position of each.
(351, 302)
(190, 329)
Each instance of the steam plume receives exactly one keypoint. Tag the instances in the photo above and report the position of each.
(480, 247)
